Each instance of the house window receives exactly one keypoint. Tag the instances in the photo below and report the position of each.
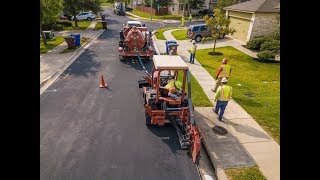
(172, 8)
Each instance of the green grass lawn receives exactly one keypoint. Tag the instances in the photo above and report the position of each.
(245, 173)
(72, 50)
(81, 25)
(106, 4)
(98, 26)
(180, 34)
(50, 44)
(159, 32)
(147, 15)
(259, 93)
(199, 98)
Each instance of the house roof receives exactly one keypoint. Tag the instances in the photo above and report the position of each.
(256, 6)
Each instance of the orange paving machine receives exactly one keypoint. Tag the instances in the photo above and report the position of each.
(177, 110)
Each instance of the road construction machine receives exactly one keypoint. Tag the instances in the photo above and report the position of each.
(133, 41)
(119, 8)
(178, 110)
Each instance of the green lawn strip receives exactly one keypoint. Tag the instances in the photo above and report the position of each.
(245, 173)
(98, 26)
(50, 44)
(147, 15)
(106, 4)
(159, 32)
(72, 50)
(81, 25)
(180, 34)
(257, 79)
(199, 98)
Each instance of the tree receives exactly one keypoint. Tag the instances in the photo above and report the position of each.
(219, 26)
(224, 3)
(49, 13)
(73, 7)
(92, 5)
(162, 3)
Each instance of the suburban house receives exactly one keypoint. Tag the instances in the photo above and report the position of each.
(253, 18)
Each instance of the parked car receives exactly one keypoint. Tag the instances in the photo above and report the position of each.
(63, 17)
(204, 12)
(198, 31)
(85, 16)
(133, 23)
(128, 8)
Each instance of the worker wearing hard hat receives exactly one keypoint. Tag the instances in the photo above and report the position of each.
(172, 86)
(190, 18)
(222, 98)
(182, 21)
(223, 71)
(193, 52)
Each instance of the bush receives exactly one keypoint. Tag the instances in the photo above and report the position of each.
(255, 43)
(65, 23)
(273, 45)
(57, 27)
(47, 27)
(266, 55)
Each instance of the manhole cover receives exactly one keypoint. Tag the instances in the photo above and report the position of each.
(219, 130)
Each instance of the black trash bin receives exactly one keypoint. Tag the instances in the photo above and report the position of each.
(71, 41)
(104, 24)
(103, 17)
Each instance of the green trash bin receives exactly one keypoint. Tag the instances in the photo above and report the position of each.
(49, 34)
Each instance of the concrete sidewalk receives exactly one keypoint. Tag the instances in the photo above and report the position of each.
(261, 147)
(52, 61)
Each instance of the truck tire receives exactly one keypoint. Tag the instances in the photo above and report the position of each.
(198, 38)
(148, 120)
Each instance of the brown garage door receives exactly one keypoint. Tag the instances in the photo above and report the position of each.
(241, 26)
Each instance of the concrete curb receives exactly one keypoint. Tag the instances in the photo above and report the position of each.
(155, 45)
(86, 44)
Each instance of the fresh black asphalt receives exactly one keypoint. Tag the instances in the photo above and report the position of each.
(88, 132)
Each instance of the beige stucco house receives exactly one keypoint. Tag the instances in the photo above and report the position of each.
(253, 18)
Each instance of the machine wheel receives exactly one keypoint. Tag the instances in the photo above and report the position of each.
(144, 98)
(89, 19)
(148, 120)
(198, 38)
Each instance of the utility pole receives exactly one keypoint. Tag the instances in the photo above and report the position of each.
(151, 10)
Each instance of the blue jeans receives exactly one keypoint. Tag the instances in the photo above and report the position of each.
(192, 55)
(222, 106)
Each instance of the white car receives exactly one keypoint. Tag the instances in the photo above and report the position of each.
(133, 23)
(85, 16)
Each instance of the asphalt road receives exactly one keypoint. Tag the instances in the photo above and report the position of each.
(87, 132)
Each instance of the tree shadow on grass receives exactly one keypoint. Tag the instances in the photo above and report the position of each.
(215, 53)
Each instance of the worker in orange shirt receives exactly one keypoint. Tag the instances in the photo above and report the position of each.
(223, 72)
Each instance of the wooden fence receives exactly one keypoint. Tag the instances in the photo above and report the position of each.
(160, 12)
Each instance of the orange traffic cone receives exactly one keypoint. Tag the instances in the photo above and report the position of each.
(103, 84)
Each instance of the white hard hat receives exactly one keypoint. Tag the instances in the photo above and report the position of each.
(193, 41)
(224, 80)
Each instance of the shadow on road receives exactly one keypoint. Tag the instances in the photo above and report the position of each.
(134, 63)
(168, 135)
(85, 65)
